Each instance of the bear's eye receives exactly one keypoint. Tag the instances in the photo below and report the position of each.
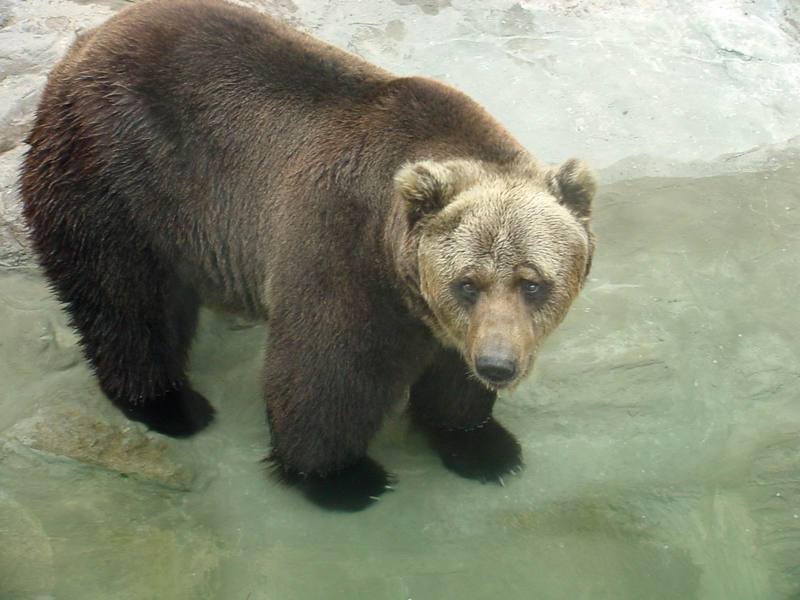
(467, 290)
(531, 289)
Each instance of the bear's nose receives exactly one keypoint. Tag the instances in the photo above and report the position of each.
(495, 368)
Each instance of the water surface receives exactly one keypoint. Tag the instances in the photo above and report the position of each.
(661, 432)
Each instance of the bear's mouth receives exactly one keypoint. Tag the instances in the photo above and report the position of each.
(496, 385)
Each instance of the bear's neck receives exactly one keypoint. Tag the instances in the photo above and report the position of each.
(401, 249)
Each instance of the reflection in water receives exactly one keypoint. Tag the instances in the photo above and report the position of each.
(661, 431)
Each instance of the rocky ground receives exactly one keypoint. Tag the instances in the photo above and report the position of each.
(662, 428)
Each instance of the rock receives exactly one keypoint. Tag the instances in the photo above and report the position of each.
(73, 434)
(14, 247)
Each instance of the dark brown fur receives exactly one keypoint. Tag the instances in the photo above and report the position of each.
(195, 151)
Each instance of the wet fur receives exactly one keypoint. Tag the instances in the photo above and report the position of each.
(195, 151)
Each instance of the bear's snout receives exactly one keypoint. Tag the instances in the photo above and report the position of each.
(500, 338)
(496, 368)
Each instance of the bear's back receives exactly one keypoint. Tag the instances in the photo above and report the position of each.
(193, 119)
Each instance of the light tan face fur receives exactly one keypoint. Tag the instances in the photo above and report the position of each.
(483, 252)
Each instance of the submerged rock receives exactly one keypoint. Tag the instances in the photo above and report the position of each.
(74, 532)
(71, 433)
(26, 565)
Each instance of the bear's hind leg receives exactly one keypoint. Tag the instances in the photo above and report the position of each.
(135, 322)
(169, 404)
(454, 412)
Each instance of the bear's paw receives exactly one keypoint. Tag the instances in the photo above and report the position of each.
(177, 413)
(349, 489)
(485, 453)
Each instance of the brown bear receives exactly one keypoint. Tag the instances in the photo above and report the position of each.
(399, 242)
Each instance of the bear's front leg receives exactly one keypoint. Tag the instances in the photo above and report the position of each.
(454, 411)
(327, 392)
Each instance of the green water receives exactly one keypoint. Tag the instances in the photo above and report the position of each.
(661, 431)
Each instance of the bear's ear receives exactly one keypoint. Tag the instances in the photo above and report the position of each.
(574, 186)
(426, 187)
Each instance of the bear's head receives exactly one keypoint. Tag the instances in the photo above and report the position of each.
(497, 254)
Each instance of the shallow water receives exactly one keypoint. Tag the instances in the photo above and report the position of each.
(661, 427)
(661, 432)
